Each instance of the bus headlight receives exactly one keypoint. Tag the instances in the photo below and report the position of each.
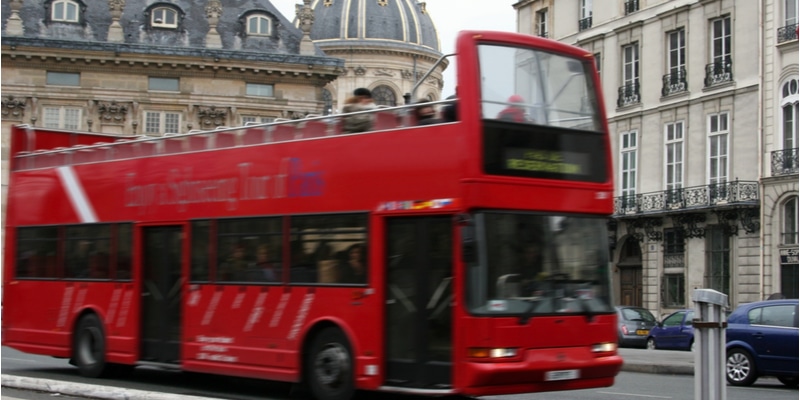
(483, 352)
(604, 348)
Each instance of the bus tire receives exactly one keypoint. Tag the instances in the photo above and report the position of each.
(329, 367)
(89, 347)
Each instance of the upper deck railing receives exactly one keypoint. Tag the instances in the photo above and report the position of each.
(384, 118)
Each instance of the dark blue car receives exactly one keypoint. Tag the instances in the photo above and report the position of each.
(675, 332)
(762, 340)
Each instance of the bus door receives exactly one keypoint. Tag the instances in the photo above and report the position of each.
(161, 293)
(419, 295)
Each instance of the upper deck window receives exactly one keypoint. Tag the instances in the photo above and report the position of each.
(64, 11)
(536, 87)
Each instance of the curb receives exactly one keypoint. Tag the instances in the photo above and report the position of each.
(88, 390)
(658, 368)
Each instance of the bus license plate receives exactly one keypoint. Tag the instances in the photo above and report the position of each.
(562, 375)
(642, 332)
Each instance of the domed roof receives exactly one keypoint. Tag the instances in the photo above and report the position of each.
(368, 20)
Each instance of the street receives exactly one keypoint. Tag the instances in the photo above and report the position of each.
(629, 385)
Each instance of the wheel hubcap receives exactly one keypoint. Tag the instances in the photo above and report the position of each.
(738, 367)
(88, 349)
(331, 365)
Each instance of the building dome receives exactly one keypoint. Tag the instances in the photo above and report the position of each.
(363, 22)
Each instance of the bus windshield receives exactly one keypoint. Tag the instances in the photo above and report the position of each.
(534, 264)
(531, 86)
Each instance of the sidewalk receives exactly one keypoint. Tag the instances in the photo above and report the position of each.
(635, 360)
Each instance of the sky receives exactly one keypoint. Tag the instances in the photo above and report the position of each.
(450, 17)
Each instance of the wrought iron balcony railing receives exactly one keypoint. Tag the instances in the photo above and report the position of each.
(784, 162)
(688, 198)
(719, 72)
(787, 33)
(584, 24)
(628, 94)
(631, 6)
(674, 82)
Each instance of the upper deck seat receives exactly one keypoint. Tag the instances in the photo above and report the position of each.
(313, 129)
(385, 120)
(281, 133)
(174, 144)
(224, 139)
(198, 142)
(253, 136)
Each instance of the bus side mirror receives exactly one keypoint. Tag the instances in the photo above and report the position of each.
(468, 245)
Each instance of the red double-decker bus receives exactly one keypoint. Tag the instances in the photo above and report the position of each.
(465, 257)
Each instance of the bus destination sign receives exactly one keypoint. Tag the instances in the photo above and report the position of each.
(556, 162)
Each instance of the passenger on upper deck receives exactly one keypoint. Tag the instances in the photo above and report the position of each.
(450, 111)
(426, 115)
(515, 111)
(361, 101)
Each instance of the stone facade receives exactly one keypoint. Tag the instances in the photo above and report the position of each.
(697, 201)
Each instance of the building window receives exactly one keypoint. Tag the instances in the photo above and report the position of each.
(63, 79)
(789, 29)
(64, 11)
(259, 25)
(720, 69)
(673, 288)
(674, 155)
(253, 120)
(327, 99)
(62, 118)
(259, 90)
(789, 215)
(718, 271)
(585, 21)
(628, 152)
(163, 84)
(673, 283)
(164, 17)
(675, 79)
(384, 96)
(159, 122)
(718, 153)
(789, 104)
(541, 23)
(629, 92)
(631, 6)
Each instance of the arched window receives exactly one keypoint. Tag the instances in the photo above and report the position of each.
(384, 96)
(64, 11)
(164, 17)
(327, 98)
(259, 25)
(789, 100)
(789, 225)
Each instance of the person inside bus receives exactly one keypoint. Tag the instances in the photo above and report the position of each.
(361, 101)
(78, 262)
(515, 111)
(262, 270)
(426, 115)
(354, 269)
(235, 265)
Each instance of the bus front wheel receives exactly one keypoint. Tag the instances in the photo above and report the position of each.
(330, 366)
(89, 347)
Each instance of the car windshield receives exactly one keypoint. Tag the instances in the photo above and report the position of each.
(637, 314)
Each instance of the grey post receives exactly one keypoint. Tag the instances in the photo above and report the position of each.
(709, 336)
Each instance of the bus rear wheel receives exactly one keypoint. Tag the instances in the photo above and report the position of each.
(89, 347)
(329, 366)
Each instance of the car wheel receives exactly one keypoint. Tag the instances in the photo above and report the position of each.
(790, 381)
(89, 347)
(651, 344)
(329, 366)
(739, 367)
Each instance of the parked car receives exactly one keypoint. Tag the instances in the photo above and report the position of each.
(634, 324)
(674, 332)
(762, 340)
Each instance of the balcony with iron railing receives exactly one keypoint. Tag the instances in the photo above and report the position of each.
(631, 6)
(688, 198)
(784, 162)
(628, 95)
(719, 72)
(787, 33)
(674, 82)
(584, 23)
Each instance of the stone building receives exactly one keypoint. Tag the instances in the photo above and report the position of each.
(387, 46)
(702, 104)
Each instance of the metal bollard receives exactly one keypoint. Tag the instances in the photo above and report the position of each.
(709, 335)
